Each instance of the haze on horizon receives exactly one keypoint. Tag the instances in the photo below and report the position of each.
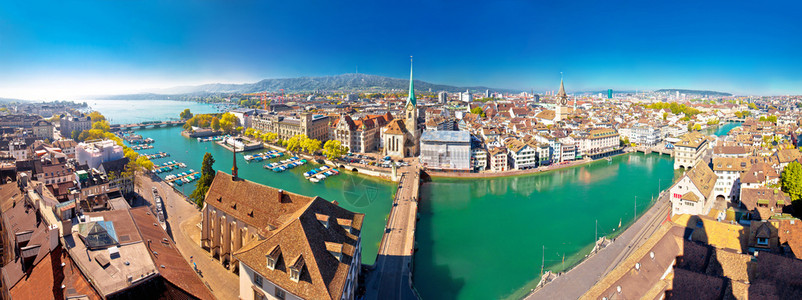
(63, 50)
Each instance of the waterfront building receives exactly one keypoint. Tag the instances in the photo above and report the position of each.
(568, 151)
(95, 153)
(478, 159)
(498, 159)
(283, 245)
(245, 115)
(310, 125)
(361, 135)
(693, 192)
(43, 129)
(521, 155)
(601, 140)
(446, 150)
(68, 124)
(729, 170)
(689, 150)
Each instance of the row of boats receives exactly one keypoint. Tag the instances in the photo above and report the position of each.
(263, 156)
(142, 147)
(320, 174)
(168, 166)
(157, 155)
(183, 177)
(141, 141)
(213, 138)
(286, 164)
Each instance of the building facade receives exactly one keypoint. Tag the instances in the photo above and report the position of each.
(447, 150)
(689, 150)
(312, 126)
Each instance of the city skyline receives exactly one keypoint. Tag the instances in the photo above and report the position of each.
(62, 50)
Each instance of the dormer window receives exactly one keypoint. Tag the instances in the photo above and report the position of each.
(272, 257)
(336, 250)
(324, 219)
(296, 268)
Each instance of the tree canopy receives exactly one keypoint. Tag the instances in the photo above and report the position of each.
(334, 149)
(675, 108)
(207, 176)
(229, 123)
(478, 111)
(186, 114)
(792, 180)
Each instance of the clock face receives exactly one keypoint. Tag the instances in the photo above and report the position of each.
(564, 101)
(410, 108)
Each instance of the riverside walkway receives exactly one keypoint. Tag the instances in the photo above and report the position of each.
(574, 283)
(392, 276)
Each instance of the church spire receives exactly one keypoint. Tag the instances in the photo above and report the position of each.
(411, 98)
(234, 167)
(562, 93)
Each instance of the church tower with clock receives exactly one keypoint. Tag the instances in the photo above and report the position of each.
(411, 112)
(562, 100)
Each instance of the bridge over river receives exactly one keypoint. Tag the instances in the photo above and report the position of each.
(148, 124)
(392, 276)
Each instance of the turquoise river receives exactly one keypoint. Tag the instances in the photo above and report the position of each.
(476, 238)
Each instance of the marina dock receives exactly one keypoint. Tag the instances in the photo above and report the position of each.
(157, 155)
(168, 166)
(285, 164)
(183, 177)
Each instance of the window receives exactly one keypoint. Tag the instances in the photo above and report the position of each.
(257, 280)
(763, 241)
(280, 293)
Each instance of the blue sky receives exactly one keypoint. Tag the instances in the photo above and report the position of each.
(66, 48)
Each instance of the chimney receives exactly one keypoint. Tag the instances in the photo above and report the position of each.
(280, 195)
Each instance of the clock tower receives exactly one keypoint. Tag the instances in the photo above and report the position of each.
(411, 113)
(562, 99)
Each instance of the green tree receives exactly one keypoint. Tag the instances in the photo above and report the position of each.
(311, 145)
(334, 149)
(269, 137)
(752, 106)
(215, 124)
(186, 114)
(96, 116)
(792, 180)
(294, 143)
(697, 127)
(229, 123)
(207, 176)
(478, 111)
(665, 116)
(102, 125)
(74, 135)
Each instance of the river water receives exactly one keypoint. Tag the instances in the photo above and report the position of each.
(484, 238)
(476, 238)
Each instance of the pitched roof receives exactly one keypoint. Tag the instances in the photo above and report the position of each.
(164, 252)
(305, 241)
(396, 127)
(261, 206)
(703, 178)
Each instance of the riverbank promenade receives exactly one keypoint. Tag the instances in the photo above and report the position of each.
(574, 283)
(392, 276)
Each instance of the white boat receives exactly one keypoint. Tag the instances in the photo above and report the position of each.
(313, 179)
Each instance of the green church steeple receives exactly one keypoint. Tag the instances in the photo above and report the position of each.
(411, 98)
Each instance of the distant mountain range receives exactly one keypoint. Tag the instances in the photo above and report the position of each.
(337, 83)
(693, 92)
(340, 83)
